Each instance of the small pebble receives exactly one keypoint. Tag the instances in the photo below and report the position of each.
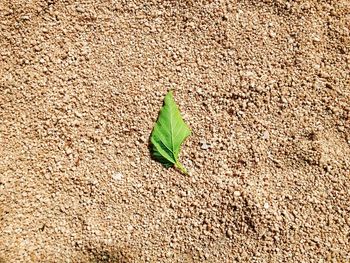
(80, 9)
(266, 135)
(237, 193)
(117, 176)
(205, 146)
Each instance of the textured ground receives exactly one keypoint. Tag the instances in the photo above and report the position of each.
(264, 85)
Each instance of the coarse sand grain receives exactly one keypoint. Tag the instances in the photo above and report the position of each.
(264, 86)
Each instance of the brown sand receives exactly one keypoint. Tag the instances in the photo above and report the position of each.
(264, 85)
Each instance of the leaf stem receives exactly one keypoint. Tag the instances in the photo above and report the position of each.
(181, 168)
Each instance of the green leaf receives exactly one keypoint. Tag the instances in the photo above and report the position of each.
(168, 134)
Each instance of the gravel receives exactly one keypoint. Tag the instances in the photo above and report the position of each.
(264, 86)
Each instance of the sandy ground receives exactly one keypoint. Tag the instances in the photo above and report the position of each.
(264, 85)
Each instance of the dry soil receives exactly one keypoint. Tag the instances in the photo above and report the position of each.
(264, 86)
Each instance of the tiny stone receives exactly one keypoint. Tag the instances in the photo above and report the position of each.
(117, 176)
(266, 205)
(78, 114)
(230, 189)
(205, 146)
(237, 193)
(229, 233)
(182, 193)
(80, 9)
(317, 39)
(266, 135)
(341, 128)
(240, 113)
(69, 151)
(106, 142)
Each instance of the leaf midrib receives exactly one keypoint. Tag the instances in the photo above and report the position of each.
(172, 132)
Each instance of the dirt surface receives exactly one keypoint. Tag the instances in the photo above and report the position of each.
(264, 86)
